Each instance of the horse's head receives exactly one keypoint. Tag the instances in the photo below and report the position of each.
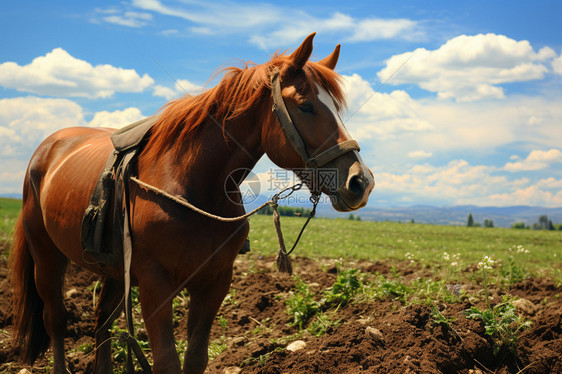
(307, 135)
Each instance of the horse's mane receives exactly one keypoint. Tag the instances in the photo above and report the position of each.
(239, 90)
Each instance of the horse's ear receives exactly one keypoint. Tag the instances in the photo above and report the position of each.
(331, 60)
(301, 55)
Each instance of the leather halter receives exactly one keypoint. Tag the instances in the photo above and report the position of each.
(294, 136)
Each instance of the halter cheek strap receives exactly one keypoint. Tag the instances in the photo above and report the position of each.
(294, 136)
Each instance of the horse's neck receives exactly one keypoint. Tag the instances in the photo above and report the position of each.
(200, 170)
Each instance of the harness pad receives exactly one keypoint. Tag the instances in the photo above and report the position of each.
(128, 143)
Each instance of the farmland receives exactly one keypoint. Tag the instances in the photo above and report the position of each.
(365, 297)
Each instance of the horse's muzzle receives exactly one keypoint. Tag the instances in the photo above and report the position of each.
(354, 193)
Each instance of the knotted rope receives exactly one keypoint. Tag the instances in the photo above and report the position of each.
(283, 260)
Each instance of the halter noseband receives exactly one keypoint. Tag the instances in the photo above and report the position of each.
(294, 136)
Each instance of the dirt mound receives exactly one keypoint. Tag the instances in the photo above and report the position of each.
(253, 330)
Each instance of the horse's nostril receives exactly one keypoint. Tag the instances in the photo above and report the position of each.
(355, 185)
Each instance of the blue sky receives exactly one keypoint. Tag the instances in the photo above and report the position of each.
(452, 102)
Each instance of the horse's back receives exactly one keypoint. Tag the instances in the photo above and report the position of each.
(60, 180)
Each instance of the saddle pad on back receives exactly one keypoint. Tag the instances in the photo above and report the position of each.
(126, 140)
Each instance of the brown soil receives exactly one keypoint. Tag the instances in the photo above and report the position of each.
(256, 332)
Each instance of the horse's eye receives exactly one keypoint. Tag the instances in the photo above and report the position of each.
(306, 107)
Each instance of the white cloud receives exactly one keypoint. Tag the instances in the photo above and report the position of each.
(395, 123)
(469, 68)
(460, 183)
(379, 115)
(26, 121)
(60, 74)
(536, 160)
(116, 119)
(550, 183)
(221, 15)
(181, 87)
(12, 172)
(532, 195)
(294, 29)
(419, 154)
(272, 25)
(557, 65)
(130, 19)
(383, 125)
(375, 28)
(169, 32)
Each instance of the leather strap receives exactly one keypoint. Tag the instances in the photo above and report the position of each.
(332, 153)
(294, 136)
(284, 117)
(123, 198)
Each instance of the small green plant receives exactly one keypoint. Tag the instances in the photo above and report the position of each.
(86, 348)
(429, 291)
(392, 288)
(439, 318)
(216, 347)
(119, 348)
(452, 261)
(501, 323)
(181, 346)
(223, 322)
(410, 257)
(301, 305)
(230, 298)
(179, 304)
(347, 284)
(513, 270)
(321, 324)
(486, 264)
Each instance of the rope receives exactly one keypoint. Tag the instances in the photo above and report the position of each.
(180, 200)
(283, 261)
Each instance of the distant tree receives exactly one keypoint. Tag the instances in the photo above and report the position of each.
(536, 226)
(477, 224)
(543, 224)
(518, 225)
(488, 223)
(470, 220)
(286, 211)
(412, 221)
(351, 217)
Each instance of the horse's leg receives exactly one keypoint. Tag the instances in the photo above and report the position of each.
(107, 310)
(203, 307)
(49, 270)
(50, 267)
(158, 320)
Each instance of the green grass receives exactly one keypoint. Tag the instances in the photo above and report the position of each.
(336, 238)
(9, 211)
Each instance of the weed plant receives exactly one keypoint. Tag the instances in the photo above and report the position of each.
(301, 305)
(345, 287)
(501, 322)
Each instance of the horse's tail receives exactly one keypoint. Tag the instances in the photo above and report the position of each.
(30, 335)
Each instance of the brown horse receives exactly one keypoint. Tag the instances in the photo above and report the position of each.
(194, 146)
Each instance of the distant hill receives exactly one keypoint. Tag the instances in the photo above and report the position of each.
(452, 215)
(457, 215)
